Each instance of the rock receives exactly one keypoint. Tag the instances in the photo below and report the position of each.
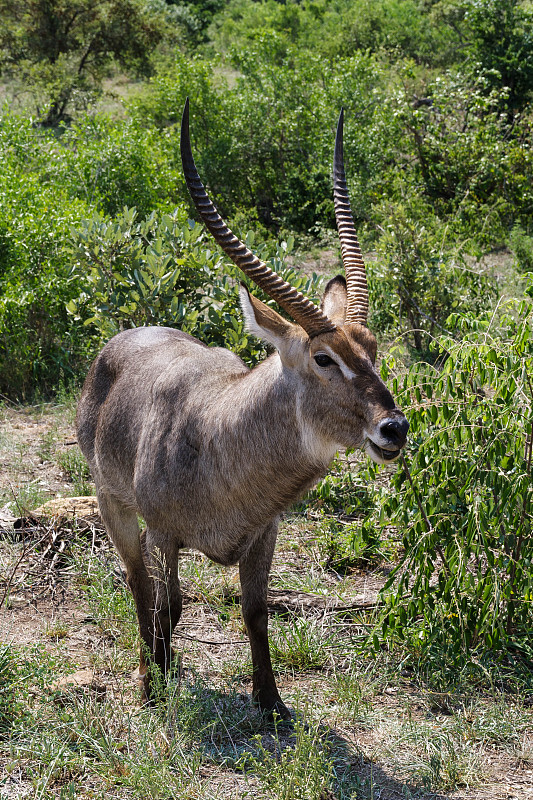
(63, 510)
(6, 519)
(82, 682)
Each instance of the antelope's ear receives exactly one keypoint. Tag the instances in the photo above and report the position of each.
(335, 298)
(263, 321)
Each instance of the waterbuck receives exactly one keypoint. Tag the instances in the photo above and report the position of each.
(210, 453)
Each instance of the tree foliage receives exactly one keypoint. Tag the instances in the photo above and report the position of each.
(67, 45)
(501, 42)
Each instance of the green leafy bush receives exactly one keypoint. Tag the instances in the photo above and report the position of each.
(343, 28)
(160, 270)
(464, 585)
(144, 272)
(265, 145)
(38, 345)
(111, 164)
(522, 246)
(474, 168)
(421, 276)
(501, 42)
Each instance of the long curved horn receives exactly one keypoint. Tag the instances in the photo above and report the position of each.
(354, 266)
(302, 310)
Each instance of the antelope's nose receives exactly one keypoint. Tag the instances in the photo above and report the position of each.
(394, 430)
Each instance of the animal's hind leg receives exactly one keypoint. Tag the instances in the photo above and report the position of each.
(123, 528)
(254, 569)
(160, 555)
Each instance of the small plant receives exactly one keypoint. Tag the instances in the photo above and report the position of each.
(301, 769)
(109, 599)
(56, 630)
(347, 545)
(353, 689)
(299, 643)
(47, 445)
(343, 490)
(437, 760)
(29, 497)
(77, 471)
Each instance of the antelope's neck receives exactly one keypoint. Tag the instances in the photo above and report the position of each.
(263, 410)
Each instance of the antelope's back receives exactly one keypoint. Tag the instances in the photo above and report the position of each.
(120, 391)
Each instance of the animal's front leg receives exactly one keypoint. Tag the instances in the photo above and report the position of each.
(254, 569)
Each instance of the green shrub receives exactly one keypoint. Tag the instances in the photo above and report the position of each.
(392, 27)
(38, 345)
(421, 277)
(284, 111)
(522, 246)
(161, 271)
(473, 168)
(265, 145)
(501, 43)
(464, 585)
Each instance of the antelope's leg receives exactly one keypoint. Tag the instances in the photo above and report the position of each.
(254, 569)
(123, 528)
(160, 556)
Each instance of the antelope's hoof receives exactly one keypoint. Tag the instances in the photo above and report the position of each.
(280, 710)
(139, 675)
(275, 709)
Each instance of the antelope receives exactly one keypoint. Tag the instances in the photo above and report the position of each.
(211, 453)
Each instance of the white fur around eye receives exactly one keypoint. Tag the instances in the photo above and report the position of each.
(346, 371)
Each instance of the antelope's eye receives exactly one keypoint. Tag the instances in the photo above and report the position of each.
(323, 360)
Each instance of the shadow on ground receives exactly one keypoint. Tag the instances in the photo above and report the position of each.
(234, 735)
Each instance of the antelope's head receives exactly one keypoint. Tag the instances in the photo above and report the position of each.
(329, 350)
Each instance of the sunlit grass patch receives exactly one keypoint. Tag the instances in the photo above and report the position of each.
(434, 757)
(299, 768)
(76, 469)
(100, 578)
(300, 643)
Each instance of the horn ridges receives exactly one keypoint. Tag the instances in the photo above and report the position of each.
(301, 309)
(354, 266)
